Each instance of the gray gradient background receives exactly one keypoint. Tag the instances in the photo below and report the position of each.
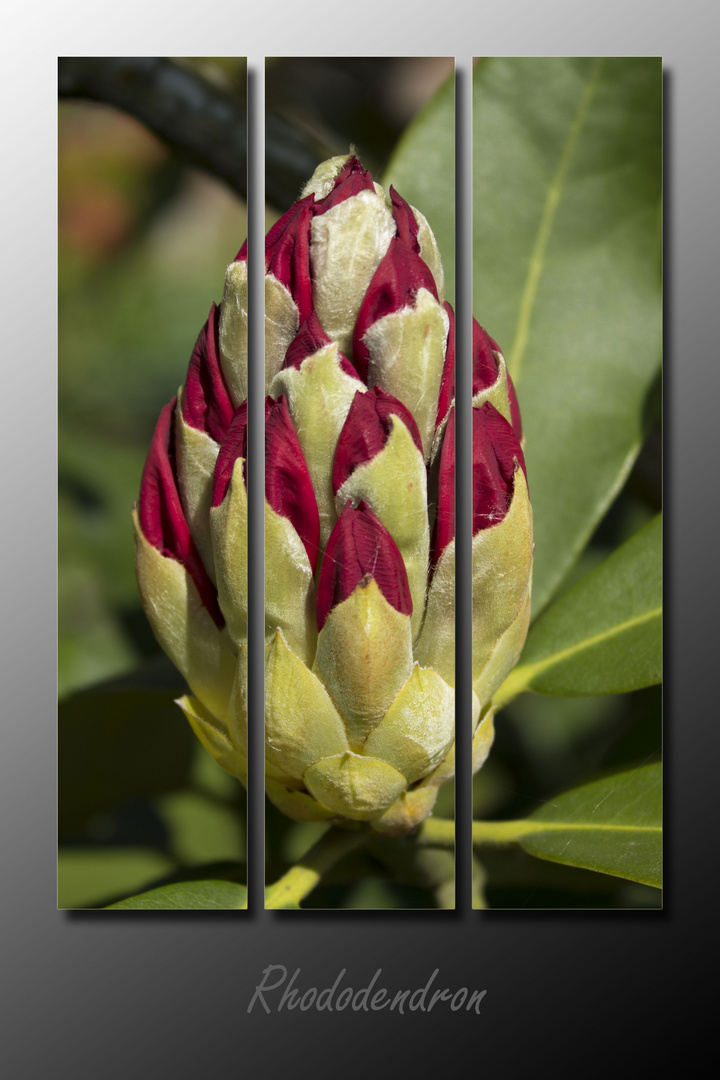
(145, 995)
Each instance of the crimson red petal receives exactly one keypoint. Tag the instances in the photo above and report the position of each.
(309, 339)
(444, 528)
(234, 446)
(242, 254)
(485, 369)
(351, 180)
(366, 429)
(206, 403)
(161, 515)
(515, 418)
(514, 408)
(288, 487)
(287, 253)
(359, 548)
(447, 381)
(496, 454)
(405, 221)
(394, 285)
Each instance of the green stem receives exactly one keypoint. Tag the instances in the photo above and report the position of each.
(302, 878)
(438, 833)
(503, 832)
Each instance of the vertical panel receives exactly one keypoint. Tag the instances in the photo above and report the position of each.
(359, 562)
(144, 242)
(567, 214)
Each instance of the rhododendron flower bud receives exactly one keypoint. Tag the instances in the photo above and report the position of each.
(360, 448)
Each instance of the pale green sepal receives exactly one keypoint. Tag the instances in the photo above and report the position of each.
(430, 253)
(407, 353)
(407, 812)
(416, 732)
(497, 394)
(282, 322)
(502, 565)
(347, 243)
(504, 656)
(301, 722)
(394, 485)
(435, 647)
(202, 653)
(196, 455)
(289, 587)
(237, 718)
(233, 332)
(319, 394)
(214, 738)
(237, 714)
(355, 786)
(228, 525)
(364, 656)
(323, 179)
(297, 805)
(483, 740)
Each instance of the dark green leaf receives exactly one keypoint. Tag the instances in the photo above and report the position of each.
(613, 826)
(604, 635)
(92, 875)
(187, 895)
(567, 184)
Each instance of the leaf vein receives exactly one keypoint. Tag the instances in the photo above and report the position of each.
(537, 256)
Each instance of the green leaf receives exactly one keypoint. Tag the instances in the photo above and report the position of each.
(187, 895)
(566, 228)
(422, 170)
(202, 829)
(613, 826)
(603, 636)
(92, 875)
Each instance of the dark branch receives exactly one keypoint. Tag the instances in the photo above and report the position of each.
(201, 122)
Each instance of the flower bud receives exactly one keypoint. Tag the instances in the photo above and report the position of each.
(502, 550)
(161, 515)
(366, 431)
(359, 548)
(446, 394)
(359, 471)
(491, 378)
(228, 525)
(179, 597)
(287, 255)
(288, 487)
(379, 461)
(350, 233)
(311, 338)
(233, 328)
(496, 457)
(401, 333)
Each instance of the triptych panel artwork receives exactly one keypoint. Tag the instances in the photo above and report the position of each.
(419, 441)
